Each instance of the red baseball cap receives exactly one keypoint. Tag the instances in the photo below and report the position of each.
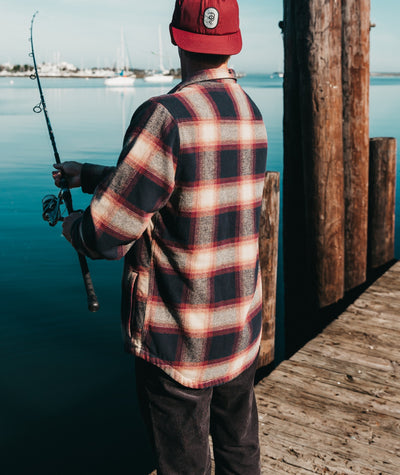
(207, 26)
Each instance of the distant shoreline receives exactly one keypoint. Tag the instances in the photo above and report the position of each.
(386, 75)
(65, 70)
(99, 75)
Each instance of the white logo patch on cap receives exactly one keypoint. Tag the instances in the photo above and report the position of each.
(211, 17)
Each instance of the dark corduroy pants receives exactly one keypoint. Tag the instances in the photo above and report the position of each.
(180, 420)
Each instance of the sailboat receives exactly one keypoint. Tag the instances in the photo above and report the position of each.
(163, 75)
(122, 79)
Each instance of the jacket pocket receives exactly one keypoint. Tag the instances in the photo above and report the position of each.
(128, 300)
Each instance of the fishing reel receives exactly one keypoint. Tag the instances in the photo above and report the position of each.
(51, 205)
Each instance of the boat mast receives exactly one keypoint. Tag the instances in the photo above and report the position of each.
(123, 65)
(162, 68)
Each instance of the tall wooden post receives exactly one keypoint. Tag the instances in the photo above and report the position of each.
(355, 73)
(298, 296)
(319, 56)
(313, 107)
(313, 159)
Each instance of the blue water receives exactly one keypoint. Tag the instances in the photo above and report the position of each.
(67, 392)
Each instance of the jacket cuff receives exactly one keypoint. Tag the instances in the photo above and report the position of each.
(78, 241)
(92, 176)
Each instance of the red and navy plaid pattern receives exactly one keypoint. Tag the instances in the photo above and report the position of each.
(183, 207)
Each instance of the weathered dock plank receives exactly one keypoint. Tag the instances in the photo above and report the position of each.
(317, 451)
(317, 412)
(334, 406)
(351, 370)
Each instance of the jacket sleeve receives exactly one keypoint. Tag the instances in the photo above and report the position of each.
(141, 184)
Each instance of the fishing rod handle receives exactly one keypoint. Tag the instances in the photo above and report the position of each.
(93, 304)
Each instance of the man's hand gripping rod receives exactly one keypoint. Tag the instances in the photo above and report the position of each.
(65, 193)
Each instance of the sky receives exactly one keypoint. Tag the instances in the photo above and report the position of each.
(87, 33)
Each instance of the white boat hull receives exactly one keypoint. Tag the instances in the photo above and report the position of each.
(159, 78)
(120, 81)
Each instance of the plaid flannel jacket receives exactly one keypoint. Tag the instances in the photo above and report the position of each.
(183, 207)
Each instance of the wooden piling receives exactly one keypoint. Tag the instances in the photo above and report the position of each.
(313, 80)
(319, 55)
(298, 294)
(355, 74)
(381, 224)
(268, 249)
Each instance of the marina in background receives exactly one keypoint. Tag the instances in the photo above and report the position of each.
(64, 69)
(67, 70)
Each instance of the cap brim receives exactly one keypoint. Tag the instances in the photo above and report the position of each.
(209, 44)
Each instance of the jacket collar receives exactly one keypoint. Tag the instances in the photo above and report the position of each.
(206, 75)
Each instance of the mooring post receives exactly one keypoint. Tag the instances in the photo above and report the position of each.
(298, 295)
(313, 210)
(268, 249)
(356, 76)
(317, 82)
(382, 187)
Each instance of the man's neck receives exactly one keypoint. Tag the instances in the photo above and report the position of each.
(190, 68)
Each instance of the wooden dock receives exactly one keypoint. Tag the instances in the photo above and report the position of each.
(334, 407)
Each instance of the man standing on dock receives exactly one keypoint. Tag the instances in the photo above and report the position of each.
(183, 207)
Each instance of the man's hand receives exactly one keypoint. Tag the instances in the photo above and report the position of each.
(68, 223)
(71, 171)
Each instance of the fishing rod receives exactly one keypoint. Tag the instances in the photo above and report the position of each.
(51, 203)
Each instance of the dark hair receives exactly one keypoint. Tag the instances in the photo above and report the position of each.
(206, 58)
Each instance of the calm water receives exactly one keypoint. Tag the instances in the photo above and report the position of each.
(67, 393)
